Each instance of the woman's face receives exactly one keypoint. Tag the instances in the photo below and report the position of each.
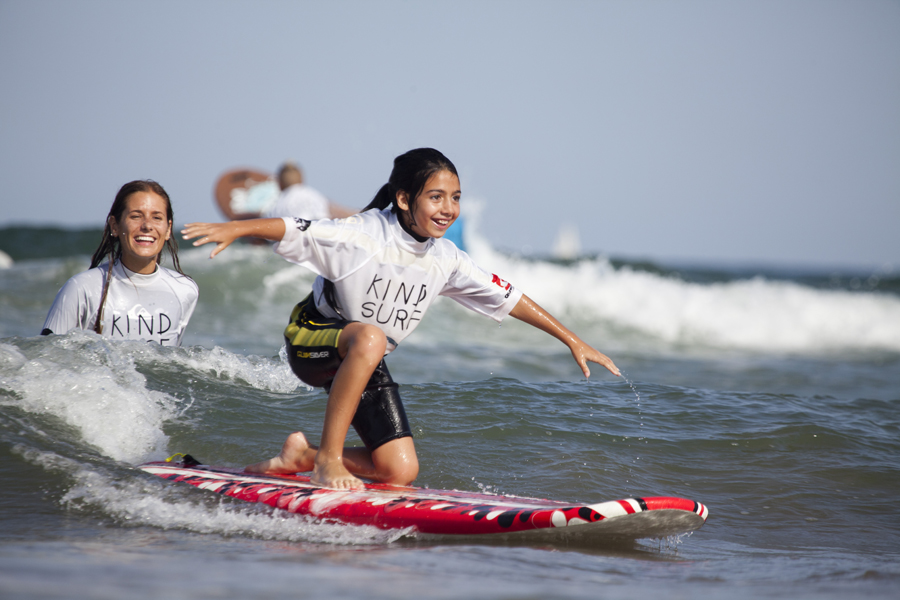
(142, 230)
(436, 206)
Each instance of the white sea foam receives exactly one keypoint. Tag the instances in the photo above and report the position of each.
(142, 503)
(752, 314)
(259, 373)
(291, 276)
(80, 380)
(93, 384)
(140, 500)
(5, 260)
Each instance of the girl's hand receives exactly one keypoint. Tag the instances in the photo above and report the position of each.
(221, 234)
(582, 353)
(527, 310)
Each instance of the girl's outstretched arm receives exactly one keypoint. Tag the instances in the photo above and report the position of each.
(222, 234)
(528, 311)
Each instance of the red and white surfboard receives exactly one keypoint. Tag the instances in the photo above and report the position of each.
(450, 513)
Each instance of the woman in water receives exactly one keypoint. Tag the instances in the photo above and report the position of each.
(130, 295)
(378, 272)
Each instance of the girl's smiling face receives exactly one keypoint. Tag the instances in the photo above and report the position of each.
(435, 208)
(142, 231)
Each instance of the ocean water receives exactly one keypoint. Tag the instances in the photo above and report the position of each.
(772, 396)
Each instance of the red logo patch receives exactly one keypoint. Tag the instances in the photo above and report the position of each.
(500, 282)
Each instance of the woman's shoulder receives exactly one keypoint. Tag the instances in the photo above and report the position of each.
(179, 279)
(83, 287)
(87, 279)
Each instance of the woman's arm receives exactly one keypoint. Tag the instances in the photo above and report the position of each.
(528, 311)
(222, 234)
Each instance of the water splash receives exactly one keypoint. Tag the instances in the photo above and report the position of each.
(637, 400)
(135, 500)
(94, 388)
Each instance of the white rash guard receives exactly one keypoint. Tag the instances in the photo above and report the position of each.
(153, 308)
(300, 200)
(383, 276)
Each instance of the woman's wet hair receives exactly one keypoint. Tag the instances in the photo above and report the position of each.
(410, 174)
(111, 249)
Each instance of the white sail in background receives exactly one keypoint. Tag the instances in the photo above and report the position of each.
(567, 245)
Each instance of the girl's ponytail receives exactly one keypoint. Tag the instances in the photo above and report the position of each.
(382, 199)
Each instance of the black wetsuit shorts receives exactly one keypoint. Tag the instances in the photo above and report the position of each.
(312, 345)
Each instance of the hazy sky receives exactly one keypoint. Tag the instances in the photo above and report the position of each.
(739, 131)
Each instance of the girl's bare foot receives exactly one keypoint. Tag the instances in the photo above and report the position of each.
(296, 455)
(333, 474)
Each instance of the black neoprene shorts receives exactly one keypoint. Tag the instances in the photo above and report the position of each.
(312, 344)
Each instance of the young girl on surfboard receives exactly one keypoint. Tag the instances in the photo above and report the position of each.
(130, 295)
(379, 271)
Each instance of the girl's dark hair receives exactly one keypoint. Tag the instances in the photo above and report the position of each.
(410, 174)
(111, 249)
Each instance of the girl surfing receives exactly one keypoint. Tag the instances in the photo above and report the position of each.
(378, 272)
